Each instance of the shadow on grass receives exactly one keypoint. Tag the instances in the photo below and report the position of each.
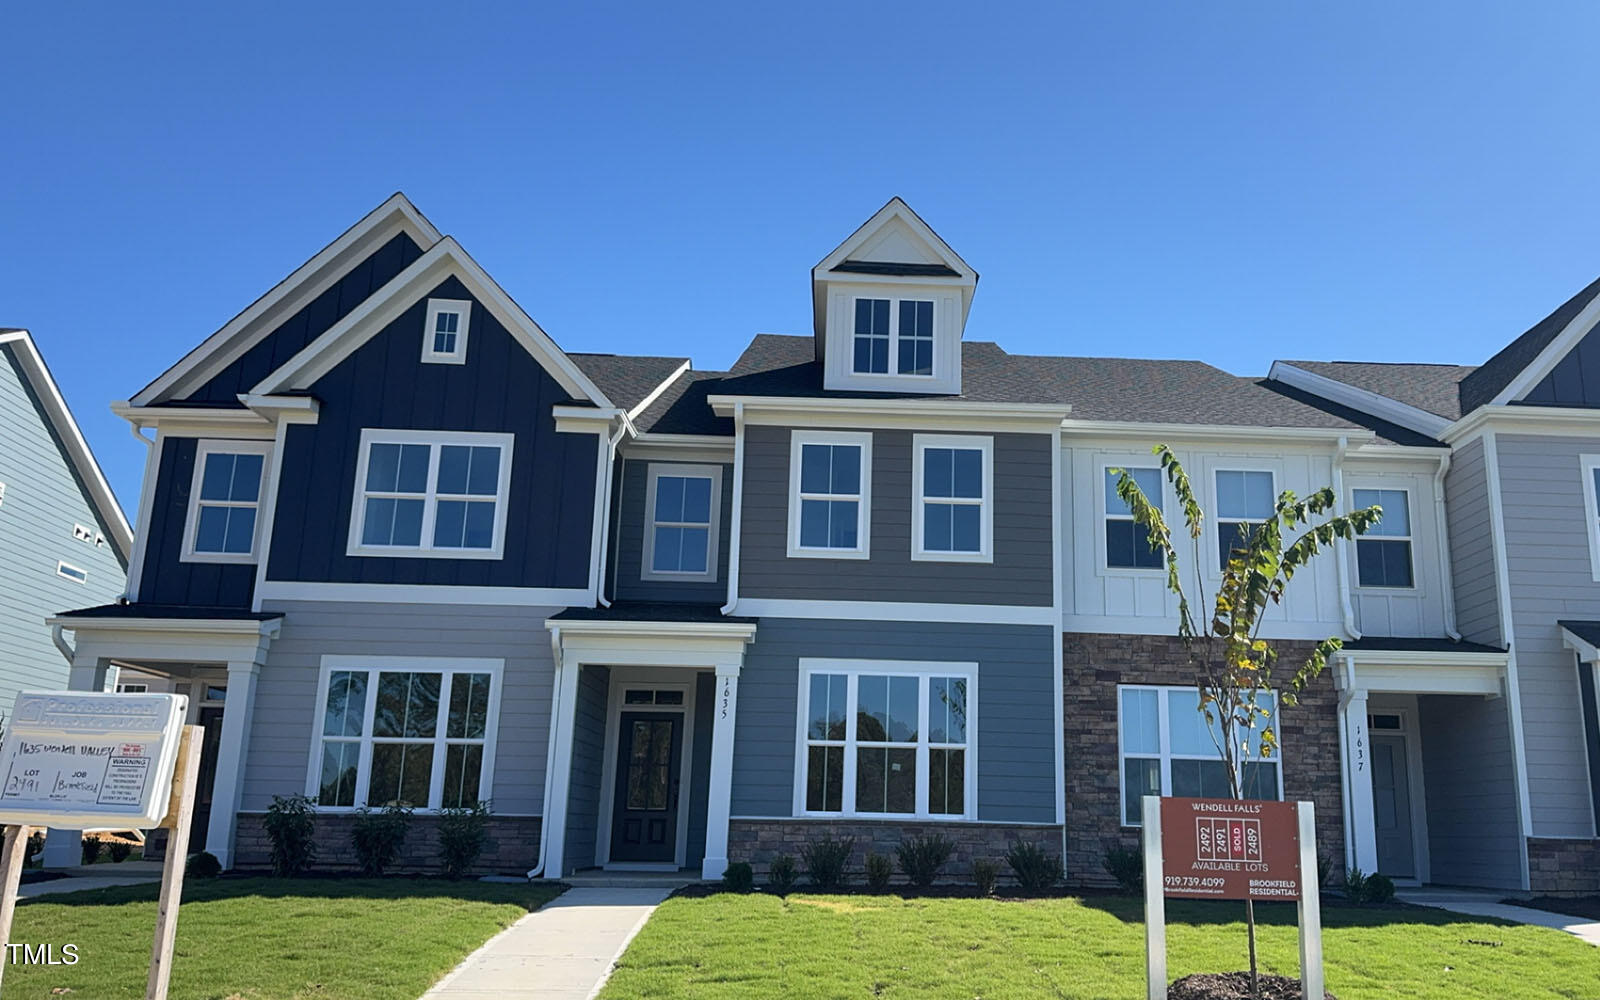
(529, 896)
(1201, 913)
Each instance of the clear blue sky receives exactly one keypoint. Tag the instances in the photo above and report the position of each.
(1230, 181)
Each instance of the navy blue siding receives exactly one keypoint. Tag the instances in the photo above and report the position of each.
(303, 327)
(627, 533)
(167, 580)
(1575, 380)
(384, 384)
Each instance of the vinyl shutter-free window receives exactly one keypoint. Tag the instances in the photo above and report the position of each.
(1245, 501)
(1166, 747)
(1127, 541)
(430, 493)
(1383, 553)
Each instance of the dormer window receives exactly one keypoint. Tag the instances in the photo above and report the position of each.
(444, 335)
(901, 329)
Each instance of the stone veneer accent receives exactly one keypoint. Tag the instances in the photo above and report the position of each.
(1563, 867)
(1094, 664)
(759, 840)
(512, 847)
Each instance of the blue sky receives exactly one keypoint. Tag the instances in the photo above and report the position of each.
(1232, 181)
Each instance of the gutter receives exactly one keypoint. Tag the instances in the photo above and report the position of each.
(735, 526)
(1446, 573)
(1343, 546)
(624, 427)
(61, 643)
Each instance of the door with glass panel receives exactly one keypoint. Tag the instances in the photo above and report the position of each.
(644, 819)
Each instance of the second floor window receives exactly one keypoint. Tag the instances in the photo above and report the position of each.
(1127, 541)
(223, 501)
(829, 494)
(439, 494)
(893, 332)
(953, 514)
(1245, 501)
(681, 538)
(1383, 554)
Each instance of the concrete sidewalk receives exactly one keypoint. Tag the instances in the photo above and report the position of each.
(563, 951)
(103, 876)
(1487, 904)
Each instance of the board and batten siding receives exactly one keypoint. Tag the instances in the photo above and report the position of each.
(286, 713)
(167, 579)
(43, 501)
(1020, 574)
(628, 531)
(1016, 745)
(1407, 612)
(1466, 502)
(1470, 790)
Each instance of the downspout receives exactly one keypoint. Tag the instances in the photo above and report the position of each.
(550, 750)
(1343, 546)
(738, 509)
(61, 642)
(1446, 573)
(605, 524)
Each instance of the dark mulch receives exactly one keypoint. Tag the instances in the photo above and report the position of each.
(39, 875)
(1587, 907)
(1235, 986)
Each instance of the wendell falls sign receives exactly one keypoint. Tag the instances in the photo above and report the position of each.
(1228, 849)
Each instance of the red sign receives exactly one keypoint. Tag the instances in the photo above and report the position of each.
(1227, 849)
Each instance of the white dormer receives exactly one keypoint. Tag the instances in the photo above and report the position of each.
(890, 305)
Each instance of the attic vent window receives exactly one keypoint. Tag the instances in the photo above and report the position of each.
(901, 329)
(444, 336)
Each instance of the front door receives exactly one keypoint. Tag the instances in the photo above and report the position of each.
(1391, 807)
(644, 820)
(211, 718)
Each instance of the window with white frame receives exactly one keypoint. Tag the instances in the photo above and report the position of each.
(224, 501)
(1383, 554)
(1245, 501)
(133, 688)
(431, 493)
(830, 494)
(893, 331)
(1127, 541)
(1589, 466)
(71, 572)
(1169, 747)
(952, 512)
(416, 732)
(886, 738)
(680, 541)
(444, 335)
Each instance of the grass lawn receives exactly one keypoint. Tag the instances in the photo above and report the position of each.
(258, 938)
(757, 946)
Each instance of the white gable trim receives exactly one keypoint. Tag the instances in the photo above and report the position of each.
(1376, 404)
(1551, 356)
(896, 209)
(446, 259)
(315, 276)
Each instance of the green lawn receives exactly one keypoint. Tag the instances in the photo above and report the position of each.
(757, 946)
(258, 938)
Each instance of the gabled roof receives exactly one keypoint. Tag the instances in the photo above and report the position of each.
(56, 412)
(629, 381)
(1433, 388)
(682, 408)
(895, 236)
(1483, 385)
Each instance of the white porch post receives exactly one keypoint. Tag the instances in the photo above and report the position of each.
(554, 829)
(720, 792)
(64, 848)
(1362, 851)
(227, 788)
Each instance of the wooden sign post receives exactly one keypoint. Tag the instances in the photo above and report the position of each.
(180, 816)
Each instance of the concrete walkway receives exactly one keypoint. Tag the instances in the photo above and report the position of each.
(563, 951)
(1487, 904)
(103, 876)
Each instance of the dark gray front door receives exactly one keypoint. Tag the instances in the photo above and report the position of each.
(644, 819)
(1391, 807)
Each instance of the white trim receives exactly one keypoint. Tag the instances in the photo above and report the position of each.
(1227, 433)
(1057, 653)
(572, 628)
(618, 681)
(67, 571)
(894, 208)
(655, 394)
(900, 611)
(1378, 405)
(984, 445)
(968, 413)
(653, 472)
(892, 378)
(1554, 352)
(269, 510)
(863, 440)
(736, 522)
(1558, 421)
(208, 626)
(1410, 538)
(462, 310)
(145, 513)
(1588, 465)
(404, 593)
(204, 449)
(1167, 624)
(435, 441)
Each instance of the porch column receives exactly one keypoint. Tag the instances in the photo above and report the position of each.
(227, 788)
(720, 793)
(1362, 851)
(553, 828)
(64, 848)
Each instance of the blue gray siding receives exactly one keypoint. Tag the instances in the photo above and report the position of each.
(705, 698)
(1574, 381)
(1470, 790)
(1015, 748)
(166, 578)
(1466, 492)
(1019, 575)
(588, 765)
(628, 541)
(383, 384)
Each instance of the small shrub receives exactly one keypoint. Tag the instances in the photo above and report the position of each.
(1126, 865)
(203, 865)
(1036, 870)
(985, 872)
(35, 847)
(825, 861)
(781, 874)
(879, 870)
(378, 836)
(921, 858)
(739, 877)
(290, 822)
(91, 849)
(1378, 889)
(119, 850)
(463, 830)
(1355, 884)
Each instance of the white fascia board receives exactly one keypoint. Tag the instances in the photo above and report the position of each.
(896, 611)
(305, 283)
(1376, 404)
(1551, 356)
(587, 419)
(194, 421)
(1586, 650)
(78, 452)
(1217, 432)
(743, 631)
(288, 409)
(1044, 417)
(1561, 421)
(400, 593)
(445, 259)
(895, 209)
(205, 626)
(655, 393)
(1422, 658)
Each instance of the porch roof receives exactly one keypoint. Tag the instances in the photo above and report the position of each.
(650, 611)
(1399, 644)
(181, 612)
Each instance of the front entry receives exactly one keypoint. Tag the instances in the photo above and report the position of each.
(644, 819)
(1391, 802)
(210, 746)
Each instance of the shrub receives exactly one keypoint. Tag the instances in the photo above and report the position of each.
(204, 865)
(984, 875)
(781, 874)
(35, 847)
(922, 857)
(377, 836)
(120, 850)
(91, 850)
(739, 877)
(463, 830)
(1126, 865)
(1355, 884)
(290, 822)
(879, 870)
(1378, 889)
(825, 861)
(1036, 871)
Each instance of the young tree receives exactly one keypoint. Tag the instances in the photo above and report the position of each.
(1232, 665)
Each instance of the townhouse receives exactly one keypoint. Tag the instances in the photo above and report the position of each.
(868, 581)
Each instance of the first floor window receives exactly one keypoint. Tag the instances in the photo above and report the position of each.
(1169, 747)
(1383, 554)
(223, 500)
(1245, 501)
(1127, 541)
(887, 742)
(431, 493)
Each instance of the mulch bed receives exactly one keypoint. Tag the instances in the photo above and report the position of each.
(1584, 907)
(1235, 986)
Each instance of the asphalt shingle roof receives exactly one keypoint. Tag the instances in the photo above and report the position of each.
(1435, 389)
(682, 408)
(627, 379)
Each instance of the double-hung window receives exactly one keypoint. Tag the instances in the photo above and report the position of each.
(444, 332)
(1168, 747)
(680, 541)
(1245, 501)
(1127, 541)
(886, 738)
(413, 731)
(431, 493)
(1383, 554)
(224, 498)
(952, 512)
(893, 332)
(830, 494)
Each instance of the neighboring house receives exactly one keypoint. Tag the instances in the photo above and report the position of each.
(868, 581)
(63, 539)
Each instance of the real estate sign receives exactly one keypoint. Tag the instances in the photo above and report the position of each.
(1229, 849)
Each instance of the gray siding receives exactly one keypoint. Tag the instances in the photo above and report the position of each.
(43, 500)
(1470, 785)
(1477, 597)
(1019, 575)
(705, 698)
(286, 709)
(1015, 745)
(628, 541)
(588, 765)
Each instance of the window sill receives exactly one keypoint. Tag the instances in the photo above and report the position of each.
(889, 817)
(444, 359)
(235, 558)
(368, 553)
(795, 552)
(953, 557)
(666, 576)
